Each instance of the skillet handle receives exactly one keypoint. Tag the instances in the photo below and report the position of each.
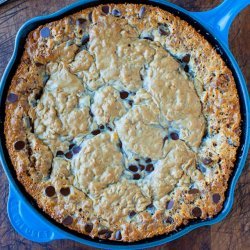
(219, 19)
(26, 222)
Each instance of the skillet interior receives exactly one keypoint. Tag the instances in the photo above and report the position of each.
(202, 30)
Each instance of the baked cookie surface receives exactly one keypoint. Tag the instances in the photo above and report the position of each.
(123, 122)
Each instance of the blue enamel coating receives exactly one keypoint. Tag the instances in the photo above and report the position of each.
(32, 225)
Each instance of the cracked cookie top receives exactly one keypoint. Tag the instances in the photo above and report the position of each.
(122, 122)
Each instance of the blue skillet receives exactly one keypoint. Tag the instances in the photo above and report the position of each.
(23, 213)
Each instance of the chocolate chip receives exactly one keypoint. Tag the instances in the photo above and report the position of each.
(90, 16)
(150, 168)
(105, 9)
(186, 58)
(81, 22)
(194, 191)
(142, 12)
(85, 39)
(132, 214)
(170, 205)
(105, 232)
(69, 155)
(118, 235)
(59, 153)
(19, 145)
(207, 161)
(71, 146)
(216, 198)
(116, 13)
(65, 191)
(12, 97)
(136, 177)
(67, 220)
(142, 167)
(148, 160)
(45, 32)
(124, 94)
(101, 127)
(50, 191)
(197, 212)
(169, 220)
(186, 68)
(88, 227)
(96, 132)
(76, 150)
(163, 30)
(174, 136)
(133, 168)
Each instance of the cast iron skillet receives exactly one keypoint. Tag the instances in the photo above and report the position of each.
(31, 222)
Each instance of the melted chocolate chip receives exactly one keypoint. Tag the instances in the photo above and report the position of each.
(148, 160)
(69, 155)
(124, 94)
(71, 146)
(169, 220)
(165, 138)
(174, 136)
(59, 153)
(216, 198)
(105, 9)
(105, 232)
(45, 32)
(142, 167)
(207, 161)
(120, 144)
(170, 205)
(186, 58)
(90, 113)
(65, 191)
(142, 12)
(186, 68)
(163, 30)
(132, 214)
(85, 39)
(50, 191)
(67, 220)
(96, 132)
(19, 145)
(12, 97)
(136, 176)
(116, 13)
(101, 127)
(88, 227)
(76, 150)
(90, 17)
(130, 102)
(137, 159)
(133, 168)
(197, 212)
(118, 235)
(150, 168)
(194, 191)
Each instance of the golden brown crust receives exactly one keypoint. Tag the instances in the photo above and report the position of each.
(215, 86)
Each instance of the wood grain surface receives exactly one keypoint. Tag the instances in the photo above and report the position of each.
(233, 233)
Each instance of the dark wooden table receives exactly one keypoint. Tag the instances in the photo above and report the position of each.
(233, 233)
